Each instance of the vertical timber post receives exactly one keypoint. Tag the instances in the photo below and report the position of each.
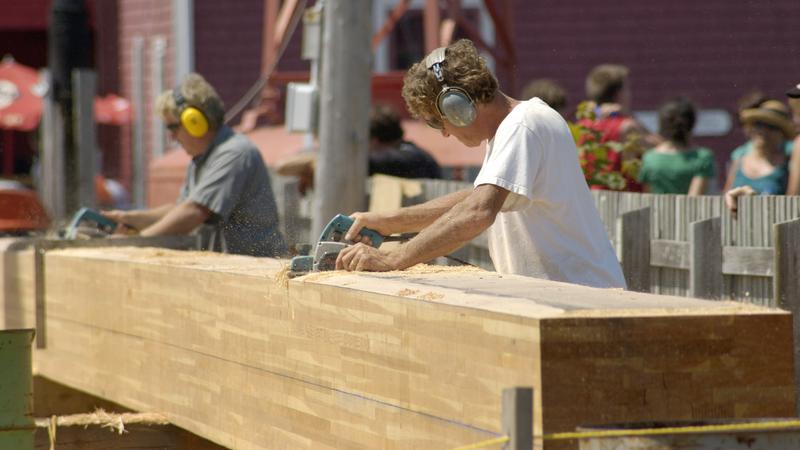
(84, 86)
(705, 264)
(17, 426)
(633, 248)
(518, 417)
(339, 182)
(786, 283)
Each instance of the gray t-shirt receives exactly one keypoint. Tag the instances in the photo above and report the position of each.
(231, 180)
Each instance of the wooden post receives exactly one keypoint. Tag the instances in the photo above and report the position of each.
(84, 84)
(52, 186)
(339, 185)
(705, 264)
(786, 282)
(633, 248)
(138, 159)
(518, 417)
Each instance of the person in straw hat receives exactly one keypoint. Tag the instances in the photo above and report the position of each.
(762, 166)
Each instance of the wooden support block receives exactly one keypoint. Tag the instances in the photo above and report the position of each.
(414, 359)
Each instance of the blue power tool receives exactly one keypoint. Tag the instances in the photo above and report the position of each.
(102, 225)
(330, 243)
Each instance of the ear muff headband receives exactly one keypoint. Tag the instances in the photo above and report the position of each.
(452, 102)
(192, 119)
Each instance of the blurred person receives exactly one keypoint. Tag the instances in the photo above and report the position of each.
(752, 99)
(609, 95)
(549, 91)
(389, 153)
(227, 186)
(607, 87)
(793, 96)
(762, 165)
(530, 193)
(676, 166)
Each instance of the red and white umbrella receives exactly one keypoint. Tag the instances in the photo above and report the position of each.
(112, 110)
(21, 91)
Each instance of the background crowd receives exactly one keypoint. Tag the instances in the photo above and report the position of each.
(618, 153)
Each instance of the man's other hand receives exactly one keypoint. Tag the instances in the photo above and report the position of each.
(362, 257)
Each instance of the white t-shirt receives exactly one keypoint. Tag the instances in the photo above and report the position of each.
(548, 226)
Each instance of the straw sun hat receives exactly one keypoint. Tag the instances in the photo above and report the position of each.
(794, 92)
(772, 112)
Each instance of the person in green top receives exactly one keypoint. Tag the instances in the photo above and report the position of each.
(676, 166)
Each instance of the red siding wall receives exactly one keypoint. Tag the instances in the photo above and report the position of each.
(228, 45)
(713, 51)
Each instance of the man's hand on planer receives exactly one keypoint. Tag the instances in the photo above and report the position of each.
(364, 257)
(121, 217)
(371, 220)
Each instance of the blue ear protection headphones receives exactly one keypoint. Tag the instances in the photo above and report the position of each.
(192, 119)
(453, 103)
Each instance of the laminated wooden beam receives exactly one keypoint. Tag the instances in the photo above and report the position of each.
(414, 359)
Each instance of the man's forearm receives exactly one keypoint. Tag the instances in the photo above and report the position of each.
(141, 219)
(417, 217)
(453, 229)
(181, 219)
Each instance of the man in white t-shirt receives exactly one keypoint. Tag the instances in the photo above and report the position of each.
(530, 192)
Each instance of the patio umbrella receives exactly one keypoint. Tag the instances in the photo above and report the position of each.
(21, 93)
(112, 110)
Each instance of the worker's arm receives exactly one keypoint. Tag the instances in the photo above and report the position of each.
(732, 198)
(139, 219)
(182, 219)
(405, 220)
(698, 185)
(793, 187)
(456, 227)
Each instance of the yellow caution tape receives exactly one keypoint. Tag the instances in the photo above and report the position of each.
(674, 430)
(486, 443)
(750, 426)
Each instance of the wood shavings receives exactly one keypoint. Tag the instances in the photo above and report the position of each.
(428, 268)
(406, 292)
(419, 269)
(414, 293)
(282, 277)
(317, 276)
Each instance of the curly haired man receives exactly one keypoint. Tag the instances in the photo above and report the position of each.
(530, 193)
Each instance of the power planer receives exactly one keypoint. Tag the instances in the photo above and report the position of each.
(330, 243)
(99, 225)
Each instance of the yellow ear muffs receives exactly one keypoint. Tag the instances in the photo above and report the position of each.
(192, 119)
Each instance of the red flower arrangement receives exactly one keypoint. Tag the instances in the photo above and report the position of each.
(607, 165)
